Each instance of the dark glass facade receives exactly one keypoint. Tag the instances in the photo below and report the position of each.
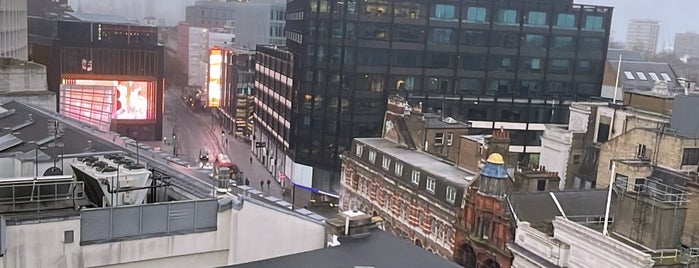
(488, 61)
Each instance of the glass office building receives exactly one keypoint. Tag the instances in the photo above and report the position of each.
(512, 64)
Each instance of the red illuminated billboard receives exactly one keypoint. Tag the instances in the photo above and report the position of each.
(214, 87)
(134, 100)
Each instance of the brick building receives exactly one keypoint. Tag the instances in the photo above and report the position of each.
(417, 195)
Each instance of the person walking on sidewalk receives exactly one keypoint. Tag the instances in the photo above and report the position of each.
(262, 184)
(268, 182)
(251, 160)
(247, 182)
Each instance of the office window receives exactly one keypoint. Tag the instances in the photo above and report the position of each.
(593, 23)
(560, 66)
(563, 43)
(359, 150)
(507, 16)
(444, 12)
(451, 194)
(408, 33)
(641, 76)
(372, 157)
(439, 138)
(629, 75)
(398, 169)
(534, 41)
(415, 177)
(450, 139)
(409, 10)
(472, 62)
(442, 36)
(565, 20)
(690, 156)
(474, 38)
(532, 65)
(536, 18)
(469, 86)
(431, 183)
(386, 163)
(476, 14)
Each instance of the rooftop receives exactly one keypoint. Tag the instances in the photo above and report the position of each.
(540, 208)
(104, 18)
(421, 160)
(379, 249)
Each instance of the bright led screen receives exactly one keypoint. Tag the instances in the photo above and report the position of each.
(132, 99)
(215, 60)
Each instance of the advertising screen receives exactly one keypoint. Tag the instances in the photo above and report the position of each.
(215, 60)
(132, 99)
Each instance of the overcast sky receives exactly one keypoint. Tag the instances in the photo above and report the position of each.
(676, 16)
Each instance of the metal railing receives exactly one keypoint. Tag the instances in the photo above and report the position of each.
(36, 194)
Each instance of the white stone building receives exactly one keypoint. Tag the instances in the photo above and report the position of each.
(572, 245)
(13, 29)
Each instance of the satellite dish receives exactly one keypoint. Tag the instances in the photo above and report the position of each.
(53, 171)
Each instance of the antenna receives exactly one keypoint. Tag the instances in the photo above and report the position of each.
(609, 199)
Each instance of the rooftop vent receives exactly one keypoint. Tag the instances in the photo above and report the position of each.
(352, 223)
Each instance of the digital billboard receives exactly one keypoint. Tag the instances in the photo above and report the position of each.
(214, 88)
(133, 100)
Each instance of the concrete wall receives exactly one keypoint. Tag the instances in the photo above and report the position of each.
(22, 76)
(661, 228)
(624, 147)
(253, 233)
(556, 145)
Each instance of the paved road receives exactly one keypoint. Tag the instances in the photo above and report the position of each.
(195, 131)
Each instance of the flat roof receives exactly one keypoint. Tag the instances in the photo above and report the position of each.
(105, 18)
(379, 249)
(420, 160)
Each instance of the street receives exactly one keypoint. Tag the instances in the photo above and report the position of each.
(198, 131)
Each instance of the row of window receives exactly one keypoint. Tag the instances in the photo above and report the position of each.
(642, 76)
(430, 185)
(592, 19)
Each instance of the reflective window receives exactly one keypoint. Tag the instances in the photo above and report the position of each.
(369, 82)
(349, 31)
(406, 58)
(641, 76)
(444, 12)
(375, 31)
(473, 62)
(588, 90)
(654, 76)
(532, 65)
(591, 46)
(409, 10)
(529, 88)
(372, 57)
(560, 66)
(507, 16)
(438, 60)
(562, 43)
(555, 88)
(498, 88)
(536, 18)
(442, 36)
(534, 41)
(476, 15)
(405, 82)
(469, 86)
(351, 6)
(594, 23)
(505, 39)
(474, 38)
(437, 85)
(336, 31)
(502, 63)
(408, 33)
(565, 20)
(375, 8)
(629, 75)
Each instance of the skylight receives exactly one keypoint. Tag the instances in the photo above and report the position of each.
(629, 75)
(654, 77)
(641, 76)
(666, 77)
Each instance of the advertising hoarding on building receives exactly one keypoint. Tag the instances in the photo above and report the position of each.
(214, 83)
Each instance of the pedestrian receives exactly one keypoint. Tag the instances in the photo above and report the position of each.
(251, 160)
(247, 182)
(268, 183)
(262, 184)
